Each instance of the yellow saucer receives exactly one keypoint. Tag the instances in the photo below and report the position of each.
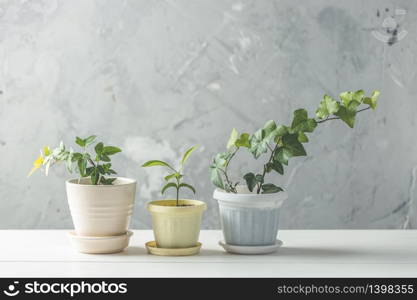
(153, 249)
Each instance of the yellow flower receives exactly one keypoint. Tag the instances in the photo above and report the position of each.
(39, 161)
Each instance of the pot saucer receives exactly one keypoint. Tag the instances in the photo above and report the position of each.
(251, 249)
(153, 249)
(99, 244)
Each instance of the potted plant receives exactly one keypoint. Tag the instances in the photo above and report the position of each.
(101, 205)
(176, 222)
(250, 212)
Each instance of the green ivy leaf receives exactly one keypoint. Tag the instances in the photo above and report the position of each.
(282, 155)
(373, 100)
(216, 177)
(261, 138)
(302, 123)
(290, 142)
(259, 145)
(358, 96)
(188, 186)
(347, 116)
(167, 186)
(243, 141)
(328, 106)
(277, 166)
(302, 137)
(250, 181)
(234, 135)
(270, 188)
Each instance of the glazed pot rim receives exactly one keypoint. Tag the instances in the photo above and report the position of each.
(124, 181)
(156, 207)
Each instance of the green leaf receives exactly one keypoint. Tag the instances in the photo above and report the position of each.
(259, 178)
(301, 122)
(347, 116)
(80, 141)
(346, 98)
(302, 137)
(221, 159)
(279, 132)
(110, 150)
(259, 145)
(82, 164)
(188, 186)
(270, 188)
(89, 171)
(277, 166)
(105, 158)
(99, 148)
(250, 180)
(107, 181)
(373, 100)
(76, 156)
(167, 186)
(187, 154)
(234, 135)
(328, 106)
(154, 163)
(290, 142)
(243, 141)
(90, 140)
(282, 155)
(268, 128)
(216, 177)
(173, 175)
(94, 176)
(358, 96)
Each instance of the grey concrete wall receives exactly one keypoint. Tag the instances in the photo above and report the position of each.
(155, 77)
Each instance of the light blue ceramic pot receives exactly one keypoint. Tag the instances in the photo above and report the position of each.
(249, 219)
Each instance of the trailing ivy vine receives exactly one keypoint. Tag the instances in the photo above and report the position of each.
(283, 142)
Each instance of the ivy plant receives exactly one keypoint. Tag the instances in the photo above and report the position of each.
(97, 165)
(282, 142)
(175, 176)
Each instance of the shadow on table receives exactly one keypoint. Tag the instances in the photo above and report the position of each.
(317, 252)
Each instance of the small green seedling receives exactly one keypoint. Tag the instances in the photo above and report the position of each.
(175, 176)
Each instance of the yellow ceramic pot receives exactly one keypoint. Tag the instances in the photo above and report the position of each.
(176, 226)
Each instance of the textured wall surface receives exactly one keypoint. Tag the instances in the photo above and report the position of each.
(155, 77)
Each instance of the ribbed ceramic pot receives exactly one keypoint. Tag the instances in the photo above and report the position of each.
(101, 210)
(249, 219)
(176, 226)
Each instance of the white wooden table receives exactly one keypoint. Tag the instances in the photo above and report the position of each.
(306, 253)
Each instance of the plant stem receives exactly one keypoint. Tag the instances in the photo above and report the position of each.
(269, 161)
(232, 188)
(178, 191)
(337, 118)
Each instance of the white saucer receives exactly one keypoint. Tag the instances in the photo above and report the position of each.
(251, 249)
(99, 244)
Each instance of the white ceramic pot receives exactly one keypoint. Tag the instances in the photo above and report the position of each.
(101, 210)
(249, 219)
(176, 226)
